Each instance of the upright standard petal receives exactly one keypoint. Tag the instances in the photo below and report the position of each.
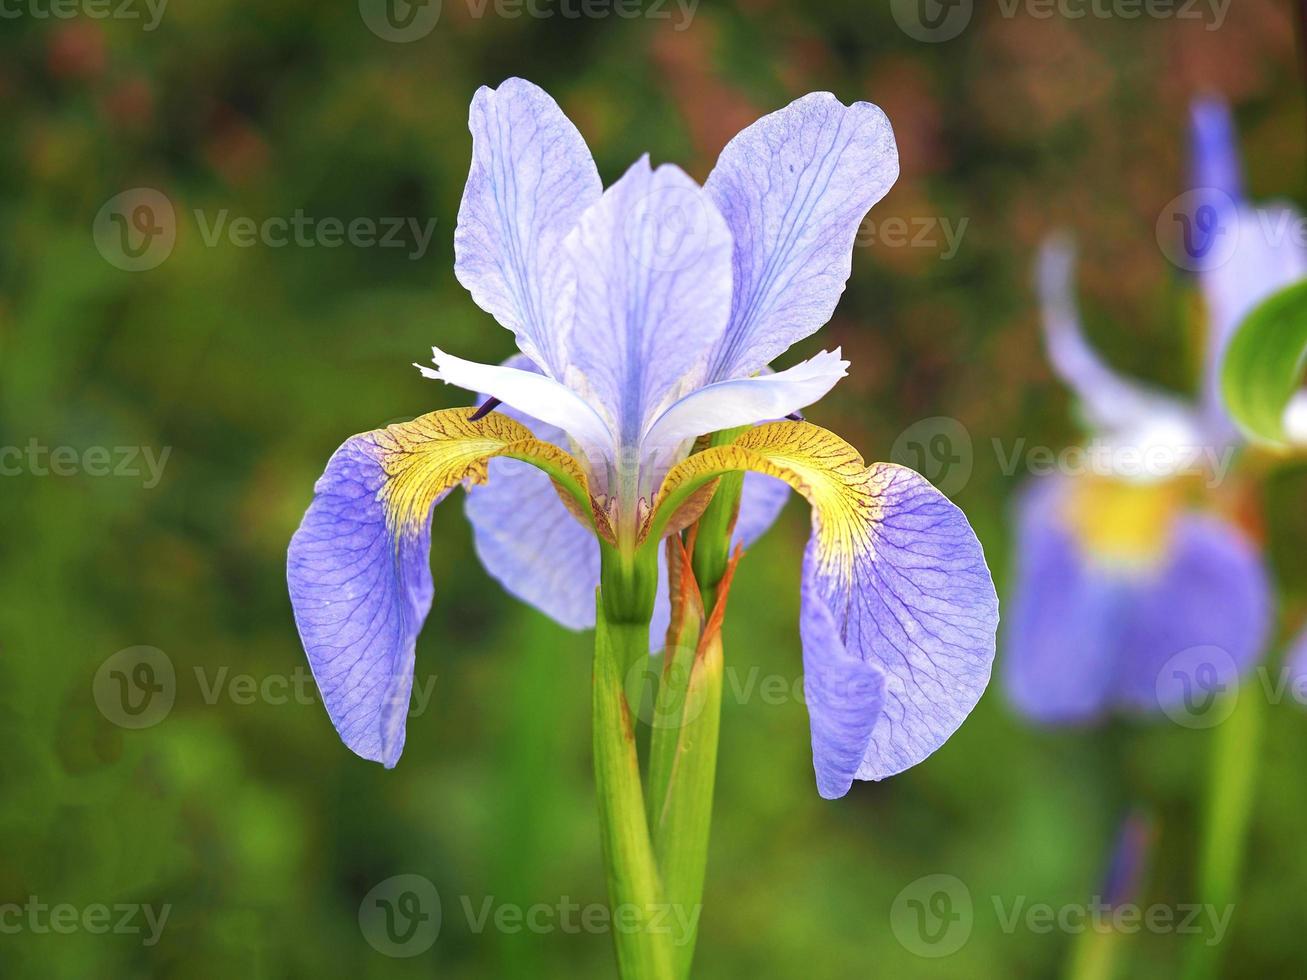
(903, 579)
(1214, 151)
(1134, 413)
(531, 178)
(793, 188)
(653, 260)
(357, 568)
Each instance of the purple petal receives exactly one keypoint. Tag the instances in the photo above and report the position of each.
(1211, 600)
(1059, 661)
(531, 544)
(1214, 148)
(1110, 402)
(793, 188)
(531, 178)
(1088, 634)
(844, 696)
(761, 502)
(360, 598)
(909, 593)
(654, 291)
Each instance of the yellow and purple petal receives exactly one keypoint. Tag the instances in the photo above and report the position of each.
(1114, 603)
(893, 578)
(357, 568)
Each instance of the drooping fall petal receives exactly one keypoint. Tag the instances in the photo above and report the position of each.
(898, 571)
(357, 568)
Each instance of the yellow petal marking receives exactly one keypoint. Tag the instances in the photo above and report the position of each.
(431, 454)
(843, 491)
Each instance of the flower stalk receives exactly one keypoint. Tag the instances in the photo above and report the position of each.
(634, 884)
(662, 827)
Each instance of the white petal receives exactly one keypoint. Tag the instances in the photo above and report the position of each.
(743, 402)
(536, 395)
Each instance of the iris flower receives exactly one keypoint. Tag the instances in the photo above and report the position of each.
(1130, 586)
(645, 316)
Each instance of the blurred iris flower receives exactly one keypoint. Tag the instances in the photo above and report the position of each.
(645, 316)
(1131, 591)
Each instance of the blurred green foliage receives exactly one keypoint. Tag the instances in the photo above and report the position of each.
(250, 820)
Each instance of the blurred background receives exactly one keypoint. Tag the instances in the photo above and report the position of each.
(172, 402)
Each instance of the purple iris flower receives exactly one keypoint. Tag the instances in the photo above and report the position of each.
(645, 316)
(1131, 591)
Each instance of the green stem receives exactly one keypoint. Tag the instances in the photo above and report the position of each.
(1094, 955)
(1229, 807)
(681, 824)
(634, 885)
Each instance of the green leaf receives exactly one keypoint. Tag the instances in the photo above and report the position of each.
(1263, 364)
